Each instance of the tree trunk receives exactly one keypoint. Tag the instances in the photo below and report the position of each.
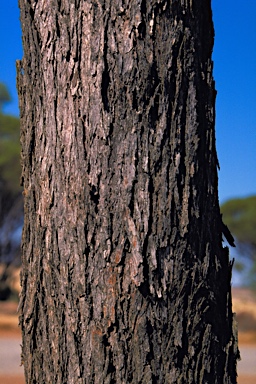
(125, 279)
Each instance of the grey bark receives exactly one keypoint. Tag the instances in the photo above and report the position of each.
(125, 279)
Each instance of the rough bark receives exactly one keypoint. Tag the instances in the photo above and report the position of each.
(125, 279)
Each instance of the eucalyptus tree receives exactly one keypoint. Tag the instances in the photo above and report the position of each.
(125, 279)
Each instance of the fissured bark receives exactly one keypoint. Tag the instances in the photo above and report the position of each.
(125, 279)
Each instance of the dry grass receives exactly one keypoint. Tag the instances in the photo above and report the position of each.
(246, 338)
(5, 379)
(243, 379)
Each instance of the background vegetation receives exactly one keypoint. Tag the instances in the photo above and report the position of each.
(11, 205)
(10, 170)
(240, 217)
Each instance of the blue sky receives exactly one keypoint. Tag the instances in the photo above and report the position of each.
(235, 75)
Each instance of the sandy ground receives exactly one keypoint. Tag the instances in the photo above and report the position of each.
(10, 339)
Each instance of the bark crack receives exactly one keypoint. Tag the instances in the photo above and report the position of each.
(105, 74)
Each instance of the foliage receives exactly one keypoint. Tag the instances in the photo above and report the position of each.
(4, 95)
(9, 153)
(10, 191)
(240, 217)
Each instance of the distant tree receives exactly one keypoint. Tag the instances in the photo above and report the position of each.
(240, 217)
(9, 148)
(10, 168)
(4, 95)
(11, 214)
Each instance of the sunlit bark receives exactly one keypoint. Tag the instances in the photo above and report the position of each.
(124, 279)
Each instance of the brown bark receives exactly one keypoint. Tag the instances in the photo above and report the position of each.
(124, 279)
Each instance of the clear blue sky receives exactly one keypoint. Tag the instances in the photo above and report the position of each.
(235, 75)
